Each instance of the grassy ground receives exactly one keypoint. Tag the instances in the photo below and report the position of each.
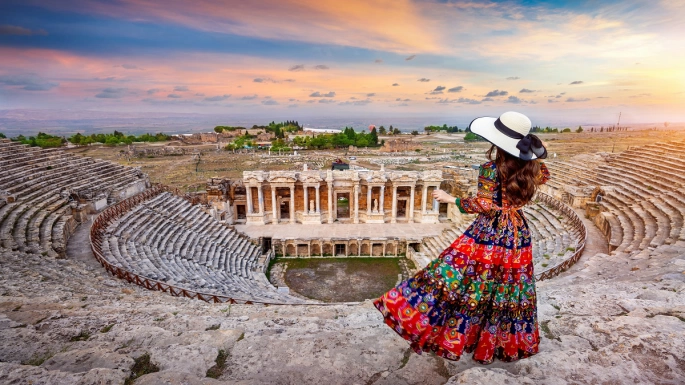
(341, 279)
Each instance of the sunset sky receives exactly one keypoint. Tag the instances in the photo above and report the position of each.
(289, 58)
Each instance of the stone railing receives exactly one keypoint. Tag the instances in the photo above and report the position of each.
(579, 226)
(110, 214)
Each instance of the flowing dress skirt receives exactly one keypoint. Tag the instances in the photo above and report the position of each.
(474, 297)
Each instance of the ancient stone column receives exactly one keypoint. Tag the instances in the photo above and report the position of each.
(368, 200)
(411, 205)
(318, 200)
(423, 200)
(306, 199)
(356, 203)
(274, 206)
(249, 199)
(260, 198)
(393, 215)
(292, 205)
(381, 205)
(436, 205)
(330, 201)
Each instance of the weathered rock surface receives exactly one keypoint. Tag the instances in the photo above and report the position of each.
(63, 322)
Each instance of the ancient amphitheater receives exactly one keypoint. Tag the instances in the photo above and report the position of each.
(106, 277)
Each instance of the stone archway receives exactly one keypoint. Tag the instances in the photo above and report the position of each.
(289, 250)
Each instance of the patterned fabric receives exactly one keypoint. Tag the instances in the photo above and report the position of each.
(478, 296)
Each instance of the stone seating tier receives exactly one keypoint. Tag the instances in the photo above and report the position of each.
(167, 239)
(39, 218)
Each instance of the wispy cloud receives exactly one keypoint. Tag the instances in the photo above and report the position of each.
(28, 82)
(112, 93)
(395, 84)
(269, 102)
(321, 67)
(410, 57)
(424, 80)
(378, 61)
(526, 91)
(513, 99)
(513, 78)
(576, 82)
(460, 100)
(438, 90)
(20, 31)
(296, 68)
(356, 103)
(181, 88)
(456, 89)
(221, 98)
(174, 96)
(249, 97)
(371, 94)
(575, 100)
(495, 93)
(318, 94)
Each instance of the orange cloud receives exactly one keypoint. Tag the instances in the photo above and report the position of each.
(388, 25)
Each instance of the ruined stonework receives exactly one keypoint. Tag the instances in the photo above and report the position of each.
(339, 196)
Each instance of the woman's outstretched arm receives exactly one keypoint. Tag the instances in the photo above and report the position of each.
(482, 202)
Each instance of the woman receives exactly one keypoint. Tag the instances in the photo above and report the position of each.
(479, 294)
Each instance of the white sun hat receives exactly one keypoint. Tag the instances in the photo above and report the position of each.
(511, 133)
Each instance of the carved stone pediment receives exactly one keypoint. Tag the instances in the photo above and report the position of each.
(431, 176)
(375, 177)
(282, 177)
(253, 176)
(310, 177)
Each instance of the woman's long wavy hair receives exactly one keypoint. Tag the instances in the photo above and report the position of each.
(520, 178)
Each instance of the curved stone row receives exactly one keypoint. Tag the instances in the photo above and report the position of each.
(642, 201)
(166, 243)
(44, 193)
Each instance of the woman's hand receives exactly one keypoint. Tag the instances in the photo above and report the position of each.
(443, 197)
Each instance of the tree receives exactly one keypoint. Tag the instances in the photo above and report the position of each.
(416, 132)
(381, 130)
(580, 129)
(112, 141)
(2, 136)
(427, 129)
(218, 129)
(374, 137)
(470, 136)
(396, 131)
(566, 130)
(76, 139)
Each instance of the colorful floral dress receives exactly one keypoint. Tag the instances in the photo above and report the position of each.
(479, 294)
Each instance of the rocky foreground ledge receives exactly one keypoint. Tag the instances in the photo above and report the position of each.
(616, 319)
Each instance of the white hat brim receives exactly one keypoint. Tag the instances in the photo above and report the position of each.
(485, 128)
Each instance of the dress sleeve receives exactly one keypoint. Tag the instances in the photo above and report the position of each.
(482, 202)
(544, 174)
